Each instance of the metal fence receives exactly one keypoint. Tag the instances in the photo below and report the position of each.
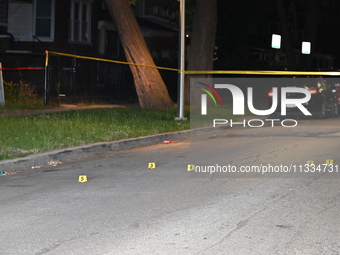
(25, 69)
(74, 80)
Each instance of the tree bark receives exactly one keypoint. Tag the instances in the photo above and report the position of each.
(202, 43)
(287, 42)
(313, 17)
(150, 87)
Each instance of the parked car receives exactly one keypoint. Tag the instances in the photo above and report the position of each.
(323, 102)
(337, 92)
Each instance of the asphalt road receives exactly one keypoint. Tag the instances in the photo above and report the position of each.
(126, 208)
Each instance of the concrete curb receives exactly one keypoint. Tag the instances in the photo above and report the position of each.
(66, 154)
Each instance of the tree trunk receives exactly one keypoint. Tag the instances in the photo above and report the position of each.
(202, 43)
(313, 17)
(151, 90)
(287, 42)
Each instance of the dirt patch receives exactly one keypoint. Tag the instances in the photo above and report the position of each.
(61, 108)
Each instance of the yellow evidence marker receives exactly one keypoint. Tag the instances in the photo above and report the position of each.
(82, 178)
(310, 163)
(152, 165)
(191, 168)
(329, 161)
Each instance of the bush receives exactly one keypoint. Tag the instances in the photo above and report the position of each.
(20, 94)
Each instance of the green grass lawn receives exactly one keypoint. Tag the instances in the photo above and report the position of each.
(24, 135)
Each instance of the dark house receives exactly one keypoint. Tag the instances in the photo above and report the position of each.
(82, 27)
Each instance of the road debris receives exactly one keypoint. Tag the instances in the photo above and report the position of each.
(54, 162)
(4, 173)
(35, 167)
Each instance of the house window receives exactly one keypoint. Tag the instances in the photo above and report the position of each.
(80, 29)
(43, 18)
(27, 18)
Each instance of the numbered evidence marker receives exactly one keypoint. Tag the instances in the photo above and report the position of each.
(310, 163)
(329, 161)
(191, 168)
(82, 178)
(152, 165)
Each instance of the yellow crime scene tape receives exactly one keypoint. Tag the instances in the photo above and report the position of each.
(104, 60)
(235, 72)
(264, 72)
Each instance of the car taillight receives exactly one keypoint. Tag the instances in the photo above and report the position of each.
(313, 91)
(270, 93)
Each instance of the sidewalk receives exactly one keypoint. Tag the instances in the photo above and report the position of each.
(66, 154)
(12, 166)
(61, 108)
(60, 156)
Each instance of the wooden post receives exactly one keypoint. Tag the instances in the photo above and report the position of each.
(46, 80)
(2, 92)
(181, 63)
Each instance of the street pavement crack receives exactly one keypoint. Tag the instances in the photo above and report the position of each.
(61, 242)
(243, 223)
